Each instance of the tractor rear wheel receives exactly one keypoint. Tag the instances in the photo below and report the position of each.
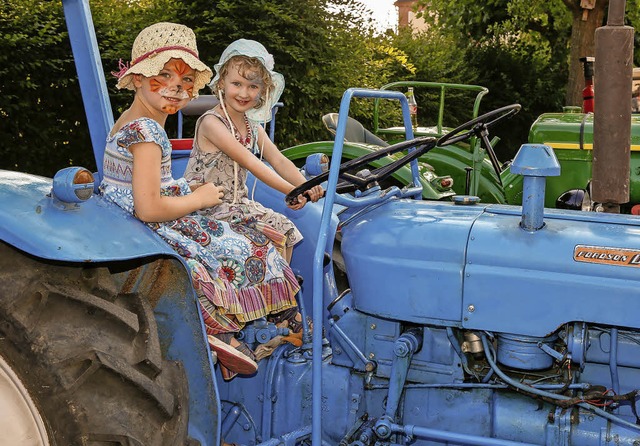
(80, 361)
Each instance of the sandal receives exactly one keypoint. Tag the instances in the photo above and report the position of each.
(292, 317)
(238, 359)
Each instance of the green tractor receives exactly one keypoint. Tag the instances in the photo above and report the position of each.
(471, 167)
(597, 174)
(570, 135)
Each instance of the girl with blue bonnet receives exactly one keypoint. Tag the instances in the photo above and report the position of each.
(238, 275)
(230, 142)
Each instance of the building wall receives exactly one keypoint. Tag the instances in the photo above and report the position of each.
(407, 16)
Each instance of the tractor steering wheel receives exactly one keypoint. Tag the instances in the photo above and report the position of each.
(362, 179)
(478, 127)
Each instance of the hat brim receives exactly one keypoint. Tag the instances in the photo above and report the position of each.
(263, 114)
(151, 66)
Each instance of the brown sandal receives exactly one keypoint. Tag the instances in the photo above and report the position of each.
(292, 317)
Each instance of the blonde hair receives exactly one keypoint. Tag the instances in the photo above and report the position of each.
(251, 69)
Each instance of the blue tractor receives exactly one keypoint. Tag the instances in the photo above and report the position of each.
(456, 323)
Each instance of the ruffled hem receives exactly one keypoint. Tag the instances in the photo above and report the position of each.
(246, 304)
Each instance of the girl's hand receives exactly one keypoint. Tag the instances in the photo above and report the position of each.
(209, 194)
(302, 200)
(316, 193)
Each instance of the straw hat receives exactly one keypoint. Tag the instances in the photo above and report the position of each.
(251, 48)
(153, 48)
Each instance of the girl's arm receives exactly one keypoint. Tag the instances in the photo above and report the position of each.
(284, 166)
(213, 134)
(149, 204)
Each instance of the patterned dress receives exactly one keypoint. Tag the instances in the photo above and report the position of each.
(238, 275)
(218, 168)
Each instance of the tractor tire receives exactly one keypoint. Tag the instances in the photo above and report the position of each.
(85, 357)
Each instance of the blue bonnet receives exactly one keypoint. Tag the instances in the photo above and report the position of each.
(251, 48)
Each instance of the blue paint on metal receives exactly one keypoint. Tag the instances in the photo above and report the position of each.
(315, 164)
(613, 360)
(525, 352)
(466, 282)
(90, 75)
(534, 162)
(99, 231)
(92, 231)
(182, 332)
(441, 435)
(67, 189)
(428, 241)
(505, 286)
(323, 237)
(404, 348)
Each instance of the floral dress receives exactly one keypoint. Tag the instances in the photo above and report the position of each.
(238, 275)
(218, 168)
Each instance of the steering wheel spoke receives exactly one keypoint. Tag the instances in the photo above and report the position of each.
(476, 126)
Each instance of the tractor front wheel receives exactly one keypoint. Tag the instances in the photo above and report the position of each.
(80, 360)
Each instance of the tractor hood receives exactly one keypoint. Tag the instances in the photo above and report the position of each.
(475, 267)
(35, 222)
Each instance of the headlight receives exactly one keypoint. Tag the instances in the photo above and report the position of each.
(73, 184)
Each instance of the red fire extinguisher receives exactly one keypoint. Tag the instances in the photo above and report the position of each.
(587, 91)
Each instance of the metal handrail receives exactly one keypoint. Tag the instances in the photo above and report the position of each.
(443, 86)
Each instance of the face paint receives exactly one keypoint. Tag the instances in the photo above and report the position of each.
(180, 67)
(183, 70)
(156, 84)
(166, 86)
(174, 92)
(170, 109)
(159, 85)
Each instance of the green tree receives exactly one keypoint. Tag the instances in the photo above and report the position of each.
(516, 48)
(435, 57)
(41, 112)
(44, 127)
(321, 47)
(564, 28)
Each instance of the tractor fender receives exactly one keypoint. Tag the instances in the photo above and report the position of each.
(96, 232)
(92, 231)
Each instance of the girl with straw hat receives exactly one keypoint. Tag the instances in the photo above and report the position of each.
(228, 264)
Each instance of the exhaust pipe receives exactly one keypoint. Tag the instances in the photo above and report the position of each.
(612, 116)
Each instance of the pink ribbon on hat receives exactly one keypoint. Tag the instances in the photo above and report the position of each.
(124, 67)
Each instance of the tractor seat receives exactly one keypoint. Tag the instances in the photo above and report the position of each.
(181, 146)
(200, 105)
(355, 131)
